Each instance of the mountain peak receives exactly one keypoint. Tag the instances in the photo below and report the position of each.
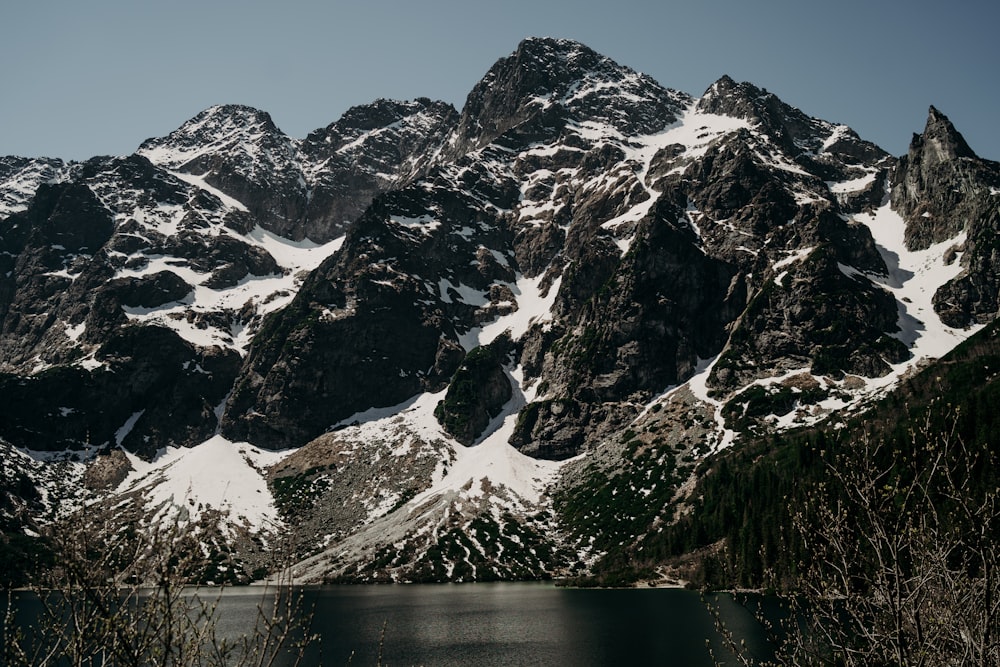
(937, 188)
(541, 64)
(565, 80)
(739, 99)
(235, 116)
(788, 126)
(941, 137)
(232, 125)
(383, 112)
(235, 111)
(723, 85)
(553, 47)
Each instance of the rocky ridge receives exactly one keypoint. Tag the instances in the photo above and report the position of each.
(580, 265)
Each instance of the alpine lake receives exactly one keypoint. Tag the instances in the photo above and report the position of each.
(525, 624)
(491, 624)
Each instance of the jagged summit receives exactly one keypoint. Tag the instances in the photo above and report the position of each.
(20, 178)
(941, 186)
(561, 80)
(941, 137)
(557, 58)
(725, 87)
(225, 126)
(786, 125)
(380, 114)
(221, 115)
(560, 45)
(312, 188)
(391, 139)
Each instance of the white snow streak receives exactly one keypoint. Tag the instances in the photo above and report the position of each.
(532, 308)
(269, 293)
(698, 385)
(199, 182)
(914, 277)
(127, 427)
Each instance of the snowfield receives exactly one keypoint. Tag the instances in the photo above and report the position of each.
(193, 479)
(914, 277)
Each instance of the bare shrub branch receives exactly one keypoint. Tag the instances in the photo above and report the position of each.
(120, 596)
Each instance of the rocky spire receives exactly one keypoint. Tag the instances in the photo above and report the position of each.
(938, 183)
(940, 140)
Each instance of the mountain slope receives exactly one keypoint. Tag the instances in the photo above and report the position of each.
(735, 527)
(487, 344)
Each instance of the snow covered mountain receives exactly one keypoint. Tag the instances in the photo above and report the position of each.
(417, 338)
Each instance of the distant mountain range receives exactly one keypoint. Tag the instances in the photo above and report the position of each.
(424, 342)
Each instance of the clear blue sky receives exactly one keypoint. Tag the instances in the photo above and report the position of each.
(83, 78)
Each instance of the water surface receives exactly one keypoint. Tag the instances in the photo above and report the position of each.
(487, 625)
(510, 624)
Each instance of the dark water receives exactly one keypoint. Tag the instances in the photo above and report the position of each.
(486, 625)
(511, 624)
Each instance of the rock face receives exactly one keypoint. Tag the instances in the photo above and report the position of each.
(412, 291)
(477, 392)
(47, 267)
(152, 390)
(937, 182)
(241, 152)
(313, 188)
(179, 236)
(943, 189)
(339, 340)
(974, 297)
(717, 227)
(370, 150)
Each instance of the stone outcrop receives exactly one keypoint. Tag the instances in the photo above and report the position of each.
(939, 184)
(152, 390)
(477, 392)
(943, 189)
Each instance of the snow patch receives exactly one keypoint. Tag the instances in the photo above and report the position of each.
(694, 130)
(796, 256)
(425, 223)
(839, 132)
(853, 185)
(914, 277)
(216, 474)
(267, 293)
(127, 427)
(492, 462)
(74, 333)
(466, 294)
(698, 384)
(532, 308)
